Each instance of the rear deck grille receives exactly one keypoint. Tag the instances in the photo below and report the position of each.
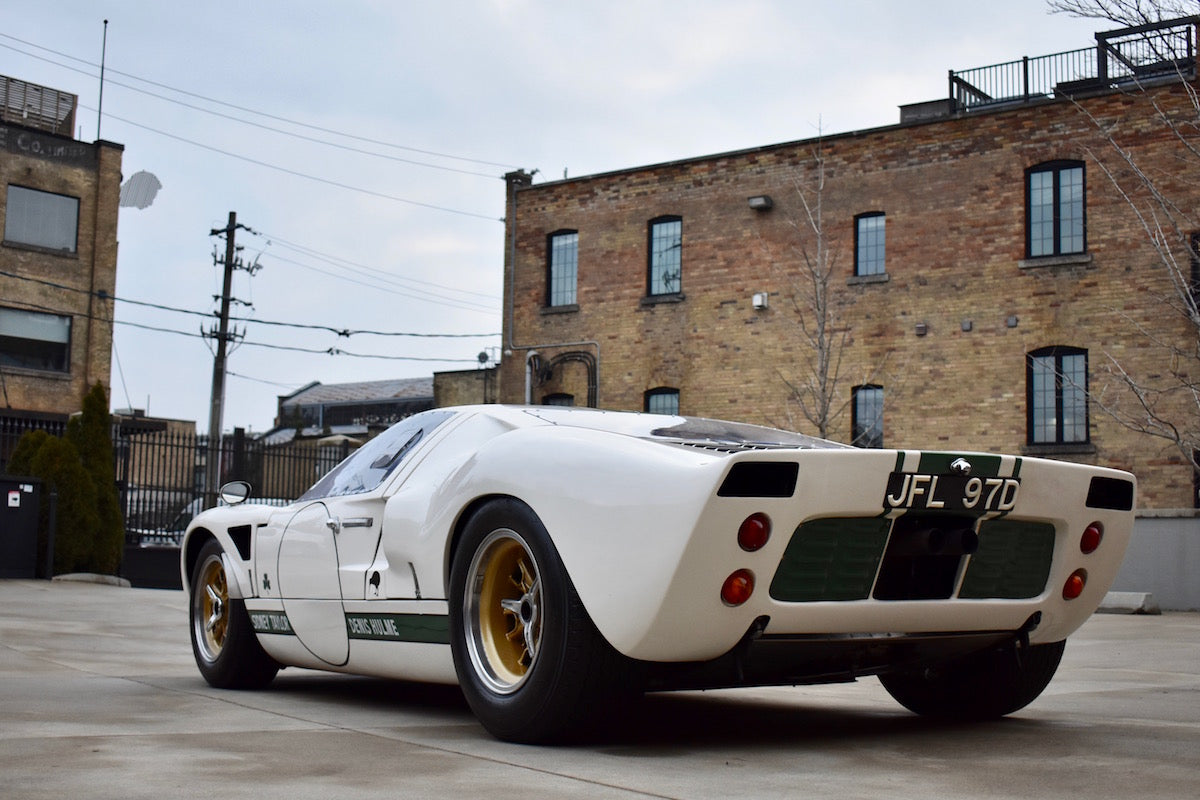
(831, 559)
(1013, 561)
(839, 559)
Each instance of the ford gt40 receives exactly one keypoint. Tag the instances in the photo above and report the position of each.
(548, 560)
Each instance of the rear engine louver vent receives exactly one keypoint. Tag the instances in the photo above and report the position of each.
(760, 479)
(1111, 493)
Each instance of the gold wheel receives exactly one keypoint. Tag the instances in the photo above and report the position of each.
(210, 598)
(503, 610)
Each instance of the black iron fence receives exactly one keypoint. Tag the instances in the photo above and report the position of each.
(1125, 57)
(161, 476)
(160, 473)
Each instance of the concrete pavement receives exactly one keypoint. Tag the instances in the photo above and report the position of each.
(99, 698)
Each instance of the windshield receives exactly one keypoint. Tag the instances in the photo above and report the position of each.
(367, 466)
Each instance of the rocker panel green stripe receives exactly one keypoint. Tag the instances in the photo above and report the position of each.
(422, 628)
(425, 628)
(271, 622)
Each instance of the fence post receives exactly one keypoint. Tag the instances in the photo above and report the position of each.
(238, 473)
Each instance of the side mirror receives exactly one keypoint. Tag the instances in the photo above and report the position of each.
(235, 492)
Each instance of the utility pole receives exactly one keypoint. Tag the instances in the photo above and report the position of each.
(223, 336)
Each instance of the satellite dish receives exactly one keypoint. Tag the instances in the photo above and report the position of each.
(139, 191)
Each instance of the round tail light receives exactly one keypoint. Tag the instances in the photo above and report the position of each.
(1074, 585)
(1091, 538)
(754, 532)
(738, 587)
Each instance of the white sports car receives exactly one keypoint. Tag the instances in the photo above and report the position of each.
(547, 559)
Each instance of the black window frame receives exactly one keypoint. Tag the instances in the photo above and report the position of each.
(860, 433)
(72, 250)
(858, 260)
(1056, 168)
(651, 252)
(1033, 420)
(650, 395)
(551, 265)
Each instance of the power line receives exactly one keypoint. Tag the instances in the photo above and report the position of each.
(330, 351)
(345, 332)
(348, 264)
(234, 106)
(451, 302)
(257, 162)
(298, 174)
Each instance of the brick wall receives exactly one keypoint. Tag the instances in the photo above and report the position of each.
(953, 192)
(92, 174)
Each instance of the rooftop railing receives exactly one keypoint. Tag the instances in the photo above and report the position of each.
(39, 107)
(1121, 58)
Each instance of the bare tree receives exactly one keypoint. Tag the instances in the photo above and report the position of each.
(1126, 13)
(1164, 405)
(817, 390)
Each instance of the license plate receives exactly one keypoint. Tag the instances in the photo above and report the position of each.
(915, 490)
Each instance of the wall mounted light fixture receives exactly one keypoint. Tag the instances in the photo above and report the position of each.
(761, 202)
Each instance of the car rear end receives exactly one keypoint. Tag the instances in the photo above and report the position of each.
(829, 563)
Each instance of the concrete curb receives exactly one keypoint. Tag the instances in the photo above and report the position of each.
(1129, 603)
(88, 577)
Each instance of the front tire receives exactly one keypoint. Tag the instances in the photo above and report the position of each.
(227, 651)
(986, 685)
(530, 661)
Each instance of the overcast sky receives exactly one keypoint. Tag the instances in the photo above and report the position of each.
(364, 144)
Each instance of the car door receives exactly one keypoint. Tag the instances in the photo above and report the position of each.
(329, 544)
(309, 585)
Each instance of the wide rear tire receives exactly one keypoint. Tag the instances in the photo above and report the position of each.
(530, 662)
(986, 685)
(226, 649)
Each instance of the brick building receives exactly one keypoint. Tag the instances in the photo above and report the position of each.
(985, 270)
(58, 255)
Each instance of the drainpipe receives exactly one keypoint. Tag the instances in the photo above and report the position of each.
(529, 357)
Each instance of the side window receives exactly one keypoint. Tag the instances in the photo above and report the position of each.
(866, 425)
(562, 268)
(1055, 211)
(1057, 395)
(41, 219)
(33, 340)
(662, 400)
(666, 256)
(869, 244)
(367, 467)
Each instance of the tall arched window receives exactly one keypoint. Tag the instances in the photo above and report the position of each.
(665, 271)
(562, 267)
(1056, 388)
(866, 424)
(1055, 209)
